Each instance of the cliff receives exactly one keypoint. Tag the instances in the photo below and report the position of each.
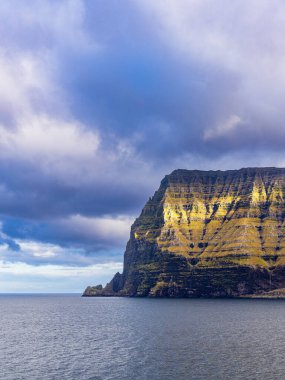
(207, 234)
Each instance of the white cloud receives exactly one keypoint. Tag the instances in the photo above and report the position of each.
(40, 137)
(216, 30)
(27, 84)
(59, 24)
(41, 250)
(26, 278)
(44, 267)
(34, 251)
(36, 122)
(224, 129)
(60, 271)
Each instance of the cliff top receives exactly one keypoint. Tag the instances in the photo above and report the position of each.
(214, 172)
(187, 174)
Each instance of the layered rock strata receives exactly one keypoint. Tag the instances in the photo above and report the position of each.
(207, 234)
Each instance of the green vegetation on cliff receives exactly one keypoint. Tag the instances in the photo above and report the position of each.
(207, 234)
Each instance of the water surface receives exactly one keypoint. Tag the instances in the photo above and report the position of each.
(69, 337)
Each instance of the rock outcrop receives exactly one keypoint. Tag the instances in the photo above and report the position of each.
(207, 234)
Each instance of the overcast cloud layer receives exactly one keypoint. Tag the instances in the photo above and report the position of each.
(100, 99)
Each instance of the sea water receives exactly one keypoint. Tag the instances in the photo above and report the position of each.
(69, 337)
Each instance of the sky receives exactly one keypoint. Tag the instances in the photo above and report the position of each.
(99, 100)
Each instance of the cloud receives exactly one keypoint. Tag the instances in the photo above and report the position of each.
(110, 230)
(52, 271)
(97, 232)
(241, 43)
(35, 252)
(229, 126)
(41, 138)
(53, 163)
(99, 100)
(45, 25)
(21, 277)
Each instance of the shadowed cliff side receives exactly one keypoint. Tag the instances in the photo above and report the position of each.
(207, 234)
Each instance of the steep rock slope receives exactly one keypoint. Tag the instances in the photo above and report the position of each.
(207, 233)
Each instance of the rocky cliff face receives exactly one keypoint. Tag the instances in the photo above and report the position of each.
(207, 234)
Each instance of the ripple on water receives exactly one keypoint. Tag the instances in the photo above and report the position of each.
(69, 337)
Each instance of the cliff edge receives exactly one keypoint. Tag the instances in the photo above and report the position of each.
(207, 234)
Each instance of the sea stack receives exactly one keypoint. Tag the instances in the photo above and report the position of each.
(207, 234)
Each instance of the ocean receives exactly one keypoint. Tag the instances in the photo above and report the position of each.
(49, 337)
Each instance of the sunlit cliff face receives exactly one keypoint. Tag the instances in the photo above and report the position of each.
(220, 218)
(207, 234)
